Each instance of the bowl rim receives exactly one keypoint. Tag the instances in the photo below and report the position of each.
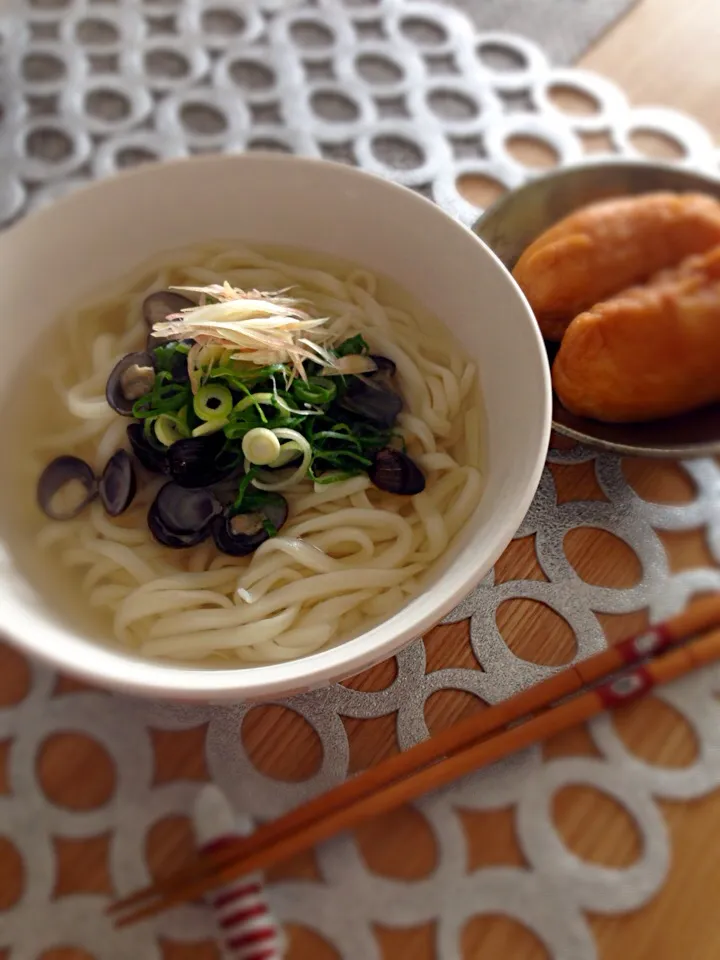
(111, 667)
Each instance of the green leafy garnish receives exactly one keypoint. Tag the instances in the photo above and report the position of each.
(353, 345)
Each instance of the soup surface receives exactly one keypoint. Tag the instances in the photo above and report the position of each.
(349, 554)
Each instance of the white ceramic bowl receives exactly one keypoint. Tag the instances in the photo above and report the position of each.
(55, 257)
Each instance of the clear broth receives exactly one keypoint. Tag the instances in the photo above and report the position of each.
(55, 587)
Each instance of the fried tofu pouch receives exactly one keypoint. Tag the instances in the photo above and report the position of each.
(651, 351)
(609, 246)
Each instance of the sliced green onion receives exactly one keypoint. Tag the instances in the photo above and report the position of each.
(288, 451)
(211, 426)
(265, 480)
(166, 355)
(337, 457)
(317, 390)
(213, 402)
(255, 400)
(335, 476)
(237, 427)
(269, 527)
(246, 494)
(235, 371)
(346, 436)
(169, 429)
(282, 404)
(260, 446)
(163, 398)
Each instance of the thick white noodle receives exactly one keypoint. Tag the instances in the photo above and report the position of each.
(349, 554)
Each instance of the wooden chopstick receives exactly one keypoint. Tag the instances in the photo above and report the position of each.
(629, 686)
(412, 773)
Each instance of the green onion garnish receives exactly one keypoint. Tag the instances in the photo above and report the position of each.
(213, 402)
(356, 344)
(169, 429)
(316, 390)
(256, 407)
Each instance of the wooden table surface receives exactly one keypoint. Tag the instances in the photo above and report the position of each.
(663, 52)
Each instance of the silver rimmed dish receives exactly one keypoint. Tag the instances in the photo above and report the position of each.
(517, 218)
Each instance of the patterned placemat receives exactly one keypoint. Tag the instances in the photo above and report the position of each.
(411, 91)
(405, 88)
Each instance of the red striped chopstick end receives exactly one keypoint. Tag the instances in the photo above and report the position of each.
(245, 924)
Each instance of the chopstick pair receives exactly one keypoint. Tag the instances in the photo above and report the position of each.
(570, 697)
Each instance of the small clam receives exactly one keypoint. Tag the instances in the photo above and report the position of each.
(151, 456)
(372, 400)
(66, 486)
(196, 461)
(239, 534)
(117, 485)
(394, 471)
(158, 306)
(386, 367)
(131, 378)
(180, 517)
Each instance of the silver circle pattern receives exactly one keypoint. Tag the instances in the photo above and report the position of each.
(407, 89)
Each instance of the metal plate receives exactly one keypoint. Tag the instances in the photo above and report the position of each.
(510, 225)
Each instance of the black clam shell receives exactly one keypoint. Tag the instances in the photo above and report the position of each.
(180, 517)
(151, 456)
(196, 461)
(373, 400)
(169, 539)
(159, 305)
(385, 367)
(118, 484)
(58, 473)
(394, 471)
(274, 508)
(114, 389)
(156, 308)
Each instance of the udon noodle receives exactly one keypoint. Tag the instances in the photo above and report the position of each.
(349, 554)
